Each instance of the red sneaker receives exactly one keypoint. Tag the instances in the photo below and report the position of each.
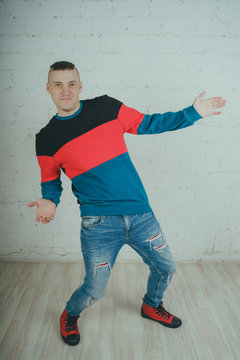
(69, 328)
(160, 315)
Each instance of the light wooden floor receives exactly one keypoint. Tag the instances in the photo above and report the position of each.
(205, 296)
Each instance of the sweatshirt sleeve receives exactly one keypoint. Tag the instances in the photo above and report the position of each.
(138, 123)
(51, 185)
(169, 121)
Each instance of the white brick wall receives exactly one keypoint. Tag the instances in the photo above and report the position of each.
(153, 55)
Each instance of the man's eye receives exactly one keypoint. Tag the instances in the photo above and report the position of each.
(72, 84)
(57, 85)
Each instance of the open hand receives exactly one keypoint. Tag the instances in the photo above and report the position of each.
(207, 107)
(45, 210)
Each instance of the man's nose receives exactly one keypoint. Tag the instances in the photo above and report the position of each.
(65, 89)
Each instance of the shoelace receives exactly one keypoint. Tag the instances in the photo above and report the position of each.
(161, 311)
(71, 323)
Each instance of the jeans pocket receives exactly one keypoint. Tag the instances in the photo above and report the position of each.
(89, 222)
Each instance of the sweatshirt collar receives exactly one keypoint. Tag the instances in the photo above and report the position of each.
(71, 116)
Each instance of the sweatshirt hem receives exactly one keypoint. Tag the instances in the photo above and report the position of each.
(127, 209)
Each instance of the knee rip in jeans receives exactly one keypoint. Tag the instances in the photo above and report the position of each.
(102, 266)
(158, 247)
(91, 300)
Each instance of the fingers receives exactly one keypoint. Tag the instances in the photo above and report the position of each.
(45, 220)
(32, 204)
(202, 94)
(45, 210)
(221, 103)
(217, 102)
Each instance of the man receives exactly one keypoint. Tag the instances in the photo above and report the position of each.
(85, 139)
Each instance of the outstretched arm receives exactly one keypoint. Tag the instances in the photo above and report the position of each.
(135, 122)
(207, 107)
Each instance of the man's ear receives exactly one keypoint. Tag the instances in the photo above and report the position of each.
(48, 87)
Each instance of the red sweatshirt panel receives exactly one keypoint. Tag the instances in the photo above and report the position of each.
(91, 149)
(50, 170)
(130, 119)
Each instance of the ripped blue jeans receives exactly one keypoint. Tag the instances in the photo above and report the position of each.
(102, 237)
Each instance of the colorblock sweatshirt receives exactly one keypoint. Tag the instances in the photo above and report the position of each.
(89, 148)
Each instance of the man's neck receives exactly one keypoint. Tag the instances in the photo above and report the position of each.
(64, 113)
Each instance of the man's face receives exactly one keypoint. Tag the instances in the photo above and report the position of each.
(65, 87)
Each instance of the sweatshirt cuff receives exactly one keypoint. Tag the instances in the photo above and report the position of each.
(55, 201)
(192, 114)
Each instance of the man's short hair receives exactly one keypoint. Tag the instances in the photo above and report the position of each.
(62, 65)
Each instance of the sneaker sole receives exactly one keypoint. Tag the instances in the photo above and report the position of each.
(172, 326)
(68, 342)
